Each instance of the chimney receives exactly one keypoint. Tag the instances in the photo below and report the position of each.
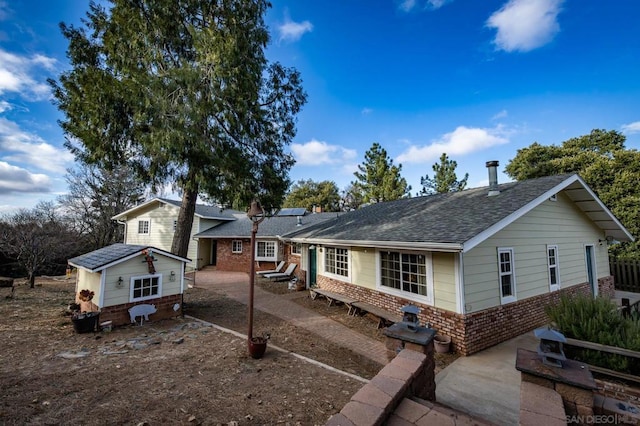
(493, 178)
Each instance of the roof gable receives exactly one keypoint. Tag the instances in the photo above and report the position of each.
(456, 220)
(202, 211)
(105, 257)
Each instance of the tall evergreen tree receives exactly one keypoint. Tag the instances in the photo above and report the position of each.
(378, 179)
(444, 178)
(603, 161)
(308, 193)
(183, 91)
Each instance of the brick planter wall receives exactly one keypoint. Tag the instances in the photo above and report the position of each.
(119, 314)
(475, 331)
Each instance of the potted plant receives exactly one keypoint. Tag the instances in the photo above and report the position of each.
(84, 322)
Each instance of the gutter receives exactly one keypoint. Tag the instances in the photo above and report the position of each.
(442, 247)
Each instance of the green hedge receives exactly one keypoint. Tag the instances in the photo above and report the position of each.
(597, 320)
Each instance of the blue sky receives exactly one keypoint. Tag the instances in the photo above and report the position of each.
(475, 79)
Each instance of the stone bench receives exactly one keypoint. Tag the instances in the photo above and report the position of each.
(385, 318)
(332, 297)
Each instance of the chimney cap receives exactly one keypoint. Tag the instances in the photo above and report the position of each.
(493, 163)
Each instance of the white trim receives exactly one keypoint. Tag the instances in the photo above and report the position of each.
(554, 287)
(344, 278)
(594, 265)
(513, 298)
(385, 245)
(428, 260)
(140, 277)
(103, 285)
(266, 258)
(458, 267)
(473, 242)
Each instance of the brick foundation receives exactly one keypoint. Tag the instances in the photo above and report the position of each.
(475, 331)
(119, 314)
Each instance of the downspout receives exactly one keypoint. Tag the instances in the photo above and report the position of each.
(125, 229)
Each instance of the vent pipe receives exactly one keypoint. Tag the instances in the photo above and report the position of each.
(493, 178)
(299, 218)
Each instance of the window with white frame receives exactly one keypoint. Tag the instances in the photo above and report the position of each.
(554, 271)
(405, 272)
(266, 250)
(146, 287)
(336, 261)
(507, 275)
(296, 248)
(143, 227)
(236, 246)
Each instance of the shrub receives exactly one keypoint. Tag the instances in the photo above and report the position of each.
(597, 320)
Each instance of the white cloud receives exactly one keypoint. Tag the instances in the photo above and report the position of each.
(500, 115)
(409, 5)
(293, 31)
(366, 111)
(631, 128)
(15, 179)
(17, 75)
(524, 25)
(463, 140)
(316, 153)
(22, 147)
(4, 106)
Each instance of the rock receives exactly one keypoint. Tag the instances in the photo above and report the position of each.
(73, 355)
(248, 417)
(178, 341)
(191, 419)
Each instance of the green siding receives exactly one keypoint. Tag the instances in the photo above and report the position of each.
(444, 280)
(363, 267)
(559, 223)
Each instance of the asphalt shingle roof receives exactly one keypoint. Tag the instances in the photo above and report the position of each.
(453, 217)
(270, 227)
(207, 212)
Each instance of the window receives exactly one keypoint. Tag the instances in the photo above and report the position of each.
(552, 262)
(296, 248)
(405, 272)
(236, 246)
(266, 250)
(507, 276)
(146, 287)
(336, 261)
(143, 227)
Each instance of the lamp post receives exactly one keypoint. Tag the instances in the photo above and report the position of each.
(256, 345)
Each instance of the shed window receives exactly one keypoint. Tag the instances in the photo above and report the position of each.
(507, 275)
(236, 246)
(146, 287)
(143, 227)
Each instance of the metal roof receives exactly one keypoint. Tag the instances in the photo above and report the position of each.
(116, 253)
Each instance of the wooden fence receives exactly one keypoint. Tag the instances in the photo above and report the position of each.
(626, 274)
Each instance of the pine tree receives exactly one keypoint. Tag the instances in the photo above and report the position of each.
(444, 178)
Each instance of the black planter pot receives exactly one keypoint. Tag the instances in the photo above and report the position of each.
(257, 346)
(86, 322)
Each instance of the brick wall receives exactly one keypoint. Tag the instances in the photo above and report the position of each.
(476, 331)
(119, 314)
(226, 260)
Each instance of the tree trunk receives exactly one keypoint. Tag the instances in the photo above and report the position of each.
(182, 236)
(32, 280)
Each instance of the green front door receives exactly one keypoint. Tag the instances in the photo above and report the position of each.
(313, 266)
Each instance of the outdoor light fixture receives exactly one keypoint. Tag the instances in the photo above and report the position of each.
(256, 345)
(120, 281)
(172, 276)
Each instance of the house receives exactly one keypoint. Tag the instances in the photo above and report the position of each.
(154, 223)
(481, 264)
(232, 239)
(124, 275)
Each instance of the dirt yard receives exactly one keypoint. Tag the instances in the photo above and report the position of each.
(178, 371)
